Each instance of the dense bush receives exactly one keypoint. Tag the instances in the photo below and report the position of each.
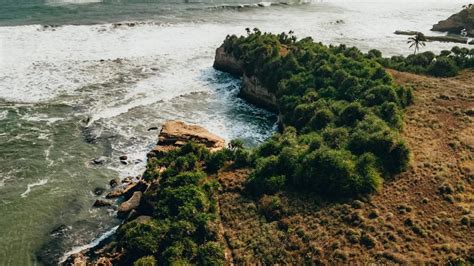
(446, 64)
(183, 227)
(341, 112)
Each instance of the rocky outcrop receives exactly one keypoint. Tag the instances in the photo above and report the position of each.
(251, 89)
(457, 22)
(227, 63)
(450, 38)
(177, 133)
(102, 203)
(130, 204)
(255, 93)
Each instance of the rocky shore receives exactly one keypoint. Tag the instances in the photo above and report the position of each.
(449, 38)
(458, 22)
(129, 196)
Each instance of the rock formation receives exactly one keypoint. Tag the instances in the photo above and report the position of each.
(251, 89)
(457, 22)
(176, 133)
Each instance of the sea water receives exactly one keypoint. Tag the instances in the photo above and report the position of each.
(87, 79)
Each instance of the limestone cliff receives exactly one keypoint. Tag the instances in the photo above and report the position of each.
(251, 89)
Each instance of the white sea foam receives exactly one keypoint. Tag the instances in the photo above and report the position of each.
(3, 114)
(41, 118)
(3, 179)
(46, 155)
(87, 246)
(40, 182)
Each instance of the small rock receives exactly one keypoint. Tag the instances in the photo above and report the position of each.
(151, 154)
(102, 203)
(114, 194)
(130, 204)
(123, 158)
(373, 214)
(469, 112)
(102, 261)
(123, 162)
(99, 161)
(114, 182)
(99, 191)
(357, 204)
(153, 128)
(133, 187)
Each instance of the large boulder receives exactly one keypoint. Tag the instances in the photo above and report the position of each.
(177, 133)
(130, 204)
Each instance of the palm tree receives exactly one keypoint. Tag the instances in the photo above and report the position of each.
(417, 41)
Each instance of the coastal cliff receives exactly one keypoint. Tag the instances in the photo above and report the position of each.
(457, 22)
(251, 89)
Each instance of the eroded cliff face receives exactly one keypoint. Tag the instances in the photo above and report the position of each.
(251, 89)
(227, 63)
(255, 93)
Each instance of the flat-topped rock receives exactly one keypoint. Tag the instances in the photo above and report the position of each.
(178, 133)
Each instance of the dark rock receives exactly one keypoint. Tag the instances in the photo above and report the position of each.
(114, 194)
(132, 215)
(131, 204)
(123, 158)
(114, 182)
(60, 230)
(408, 32)
(134, 187)
(123, 162)
(457, 22)
(99, 161)
(153, 128)
(357, 204)
(99, 191)
(102, 203)
(151, 154)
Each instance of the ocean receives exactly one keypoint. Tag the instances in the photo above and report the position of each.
(90, 79)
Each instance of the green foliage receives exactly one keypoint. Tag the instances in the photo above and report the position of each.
(184, 211)
(214, 161)
(446, 64)
(340, 109)
(443, 67)
(146, 261)
(211, 254)
(142, 239)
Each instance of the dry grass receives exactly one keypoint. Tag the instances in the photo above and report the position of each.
(422, 216)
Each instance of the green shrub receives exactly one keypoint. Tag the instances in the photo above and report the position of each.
(215, 160)
(211, 253)
(142, 239)
(443, 67)
(146, 261)
(446, 64)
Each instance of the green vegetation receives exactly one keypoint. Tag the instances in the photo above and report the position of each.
(446, 64)
(341, 111)
(184, 224)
